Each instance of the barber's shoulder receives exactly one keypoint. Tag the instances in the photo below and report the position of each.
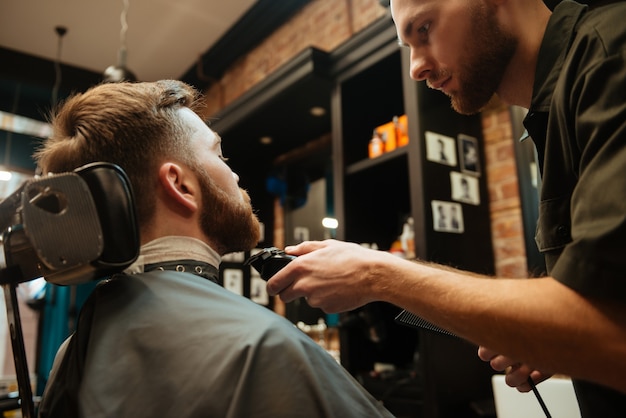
(606, 23)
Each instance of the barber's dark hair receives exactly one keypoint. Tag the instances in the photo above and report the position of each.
(133, 125)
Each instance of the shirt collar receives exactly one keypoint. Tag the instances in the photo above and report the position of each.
(173, 248)
(554, 47)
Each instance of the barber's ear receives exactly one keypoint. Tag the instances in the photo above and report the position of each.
(180, 184)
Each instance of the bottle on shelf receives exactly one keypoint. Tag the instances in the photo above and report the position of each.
(389, 136)
(407, 239)
(402, 136)
(396, 248)
(376, 145)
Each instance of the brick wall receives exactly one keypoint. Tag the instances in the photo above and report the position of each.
(504, 199)
(325, 24)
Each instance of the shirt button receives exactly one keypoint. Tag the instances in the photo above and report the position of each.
(562, 231)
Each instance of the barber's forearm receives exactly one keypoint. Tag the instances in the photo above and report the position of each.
(538, 321)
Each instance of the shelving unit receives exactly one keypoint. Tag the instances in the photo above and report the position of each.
(374, 196)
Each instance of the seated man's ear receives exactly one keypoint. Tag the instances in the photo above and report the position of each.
(180, 184)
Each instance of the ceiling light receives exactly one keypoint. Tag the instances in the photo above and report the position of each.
(266, 140)
(317, 111)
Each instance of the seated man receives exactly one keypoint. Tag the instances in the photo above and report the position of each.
(157, 342)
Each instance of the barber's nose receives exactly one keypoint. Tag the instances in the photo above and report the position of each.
(236, 177)
(420, 65)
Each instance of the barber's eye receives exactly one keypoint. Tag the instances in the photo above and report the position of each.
(422, 32)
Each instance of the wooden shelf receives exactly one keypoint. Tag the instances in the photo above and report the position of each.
(374, 162)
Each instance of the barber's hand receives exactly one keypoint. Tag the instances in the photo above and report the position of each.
(516, 373)
(332, 275)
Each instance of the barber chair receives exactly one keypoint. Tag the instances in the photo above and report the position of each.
(68, 228)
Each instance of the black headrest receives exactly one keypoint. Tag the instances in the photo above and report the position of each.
(70, 227)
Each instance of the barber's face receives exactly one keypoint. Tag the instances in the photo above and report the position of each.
(457, 46)
(227, 218)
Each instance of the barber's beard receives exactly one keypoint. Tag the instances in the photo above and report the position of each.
(488, 53)
(228, 222)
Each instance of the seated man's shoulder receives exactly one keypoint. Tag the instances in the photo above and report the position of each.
(173, 302)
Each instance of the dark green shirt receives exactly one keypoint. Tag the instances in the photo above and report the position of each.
(577, 120)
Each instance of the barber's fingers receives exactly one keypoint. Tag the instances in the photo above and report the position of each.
(282, 283)
(497, 361)
(502, 363)
(486, 354)
(517, 377)
(286, 294)
(516, 373)
(307, 247)
(279, 284)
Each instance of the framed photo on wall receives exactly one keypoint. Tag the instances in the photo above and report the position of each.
(233, 280)
(468, 151)
(447, 217)
(464, 188)
(440, 149)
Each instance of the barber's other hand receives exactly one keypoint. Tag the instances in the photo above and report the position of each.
(332, 275)
(516, 373)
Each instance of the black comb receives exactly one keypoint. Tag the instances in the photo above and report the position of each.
(407, 318)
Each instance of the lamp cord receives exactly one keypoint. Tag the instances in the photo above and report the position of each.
(61, 31)
(122, 52)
